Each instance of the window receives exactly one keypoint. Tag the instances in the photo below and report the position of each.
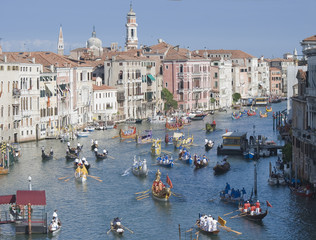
(181, 68)
(166, 84)
(215, 75)
(166, 66)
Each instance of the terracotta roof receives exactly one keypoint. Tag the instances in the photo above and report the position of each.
(312, 38)
(234, 53)
(279, 60)
(103, 87)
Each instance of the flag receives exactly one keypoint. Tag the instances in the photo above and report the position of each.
(169, 182)
(268, 204)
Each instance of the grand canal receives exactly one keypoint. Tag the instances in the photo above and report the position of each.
(87, 209)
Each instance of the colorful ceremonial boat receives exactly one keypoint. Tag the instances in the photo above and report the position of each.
(263, 115)
(156, 147)
(145, 137)
(129, 133)
(159, 190)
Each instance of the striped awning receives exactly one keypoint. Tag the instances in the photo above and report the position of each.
(7, 199)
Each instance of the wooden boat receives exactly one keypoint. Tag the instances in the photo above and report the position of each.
(130, 120)
(100, 156)
(71, 156)
(229, 199)
(185, 156)
(165, 161)
(89, 129)
(302, 191)
(254, 217)
(129, 133)
(138, 121)
(116, 226)
(4, 171)
(168, 139)
(145, 137)
(53, 230)
(156, 147)
(46, 156)
(210, 127)
(268, 109)
(184, 142)
(251, 113)
(94, 144)
(198, 115)
(81, 174)
(177, 136)
(140, 168)
(157, 119)
(208, 144)
(159, 190)
(263, 115)
(208, 231)
(185, 121)
(75, 150)
(222, 167)
(200, 163)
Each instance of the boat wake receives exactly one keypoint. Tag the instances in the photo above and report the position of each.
(126, 172)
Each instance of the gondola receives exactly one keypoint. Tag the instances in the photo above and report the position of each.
(94, 144)
(208, 144)
(304, 192)
(185, 156)
(71, 157)
(46, 156)
(54, 229)
(81, 174)
(236, 116)
(73, 150)
(222, 167)
(173, 126)
(200, 163)
(116, 226)
(263, 115)
(251, 113)
(204, 230)
(268, 109)
(159, 191)
(254, 217)
(101, 156)
(145, 137)
(165, 161)
(140, 168)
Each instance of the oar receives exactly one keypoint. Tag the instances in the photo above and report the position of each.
(63, 177)
(142, 191)
(108, 231)
(230, 212)
(111, 157)
(95, 178)
(142, 197)
(228, 229)
(239, 215)
(189, 230)
(127, 228)
(115, 137)
(68, 179)
(176, 195)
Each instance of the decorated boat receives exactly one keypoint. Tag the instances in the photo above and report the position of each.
(200, 162)
(253, 217)
(89, 129)
(207, 225)
(168, 139)
(208, 144)
(185, 156)
(145, 137)
(165, 161)
(140, 168)
(4, 170)
(81, 162)
(230, 199)
(198, 115)
(185, 120)
(116, 226)
(210, 127)
(249, 154)
(173, 125)
(54, 227)
(263, 115)
(159, 190)
(81, 174)
(222, 167)
(184, 142)
(156, 147)
(129, 133)
(268, 109)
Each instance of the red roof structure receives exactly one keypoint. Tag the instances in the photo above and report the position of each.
(7, 199)
(24, 197)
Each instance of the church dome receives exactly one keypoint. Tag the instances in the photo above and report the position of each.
(94, 42)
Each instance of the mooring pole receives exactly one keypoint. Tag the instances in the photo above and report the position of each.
(30, 183)
(255, 178)
(29, 218)
(179, 233)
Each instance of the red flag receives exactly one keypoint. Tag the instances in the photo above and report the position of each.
(169, 182)
(268, 204)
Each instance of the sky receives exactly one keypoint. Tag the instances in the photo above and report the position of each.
(258, 27)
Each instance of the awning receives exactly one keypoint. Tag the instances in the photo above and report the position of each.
(151, 77)
(24, 197)
(7, 199)
(50, 87)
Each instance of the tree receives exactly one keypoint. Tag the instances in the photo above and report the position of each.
(168, 99)
(287, 153)
(236, 97)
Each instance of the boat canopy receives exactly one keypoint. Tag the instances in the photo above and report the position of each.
(7, 199)
(234, 135)
(24, 197)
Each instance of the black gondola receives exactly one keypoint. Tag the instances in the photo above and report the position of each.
(46, 156)
(222, 167)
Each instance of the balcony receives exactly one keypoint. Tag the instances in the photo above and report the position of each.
(16, 92)
(136, 97)
(197, 89)
(119, 82)
(180, 75)
(17, 117)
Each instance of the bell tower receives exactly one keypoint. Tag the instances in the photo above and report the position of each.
(60, 46)
(131, 30)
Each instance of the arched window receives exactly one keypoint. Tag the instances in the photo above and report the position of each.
(121, 75)
(181, 68)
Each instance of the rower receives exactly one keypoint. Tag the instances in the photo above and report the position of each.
(95, 150)
(55, 215)
(252, 209)
(51, 151)
(105, 152)
(214, 225)
(76, 161)
(257, 205)
(246, 206)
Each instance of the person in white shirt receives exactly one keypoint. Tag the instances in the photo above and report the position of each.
(214, 225)
(55, 215)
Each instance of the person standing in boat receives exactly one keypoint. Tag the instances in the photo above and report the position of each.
(244, 194)
(214, 224)
(55, 215)
(51, 151)
(252, 210)
(257, 205)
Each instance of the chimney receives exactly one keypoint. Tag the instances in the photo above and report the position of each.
(52, 68)
(5, 58)
(33, 60)
(160, 40)
(0, 49)
(188, 54)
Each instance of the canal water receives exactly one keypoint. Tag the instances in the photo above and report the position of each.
(87, 209)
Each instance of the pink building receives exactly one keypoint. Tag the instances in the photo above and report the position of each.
(188, 78)
(275, 82)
